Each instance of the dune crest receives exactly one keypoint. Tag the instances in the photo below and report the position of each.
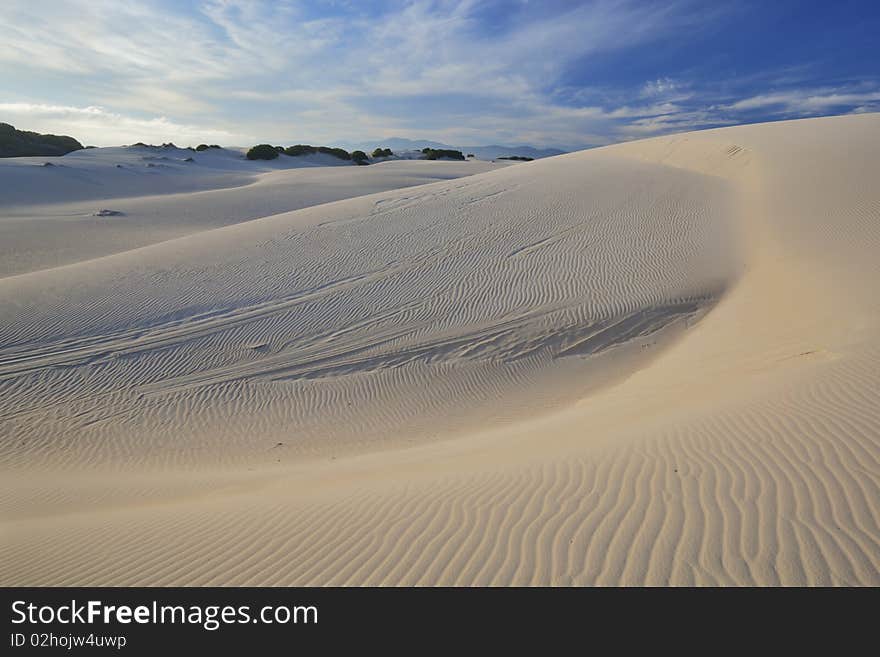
(651, 363)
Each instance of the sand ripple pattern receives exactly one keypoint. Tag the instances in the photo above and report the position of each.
(728, 499)
(339, 325)
(655, 363)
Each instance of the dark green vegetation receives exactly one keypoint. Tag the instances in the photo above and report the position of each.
(143, 145)
(204, 147)
(262, 152)
(305, 149)
(269, 152)
(21, 143)
(382, 152)
(170, 144)
(521, 158)
(437, 153)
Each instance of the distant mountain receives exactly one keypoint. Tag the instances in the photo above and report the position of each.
(21, 143)
(398, 144)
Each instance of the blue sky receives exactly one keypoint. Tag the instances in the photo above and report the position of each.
(547, 73)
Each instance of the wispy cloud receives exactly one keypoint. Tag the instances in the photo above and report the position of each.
(660, 87)
(807, 101)
(286, 70)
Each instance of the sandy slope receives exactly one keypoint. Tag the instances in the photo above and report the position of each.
(48, 214)
(655, 363)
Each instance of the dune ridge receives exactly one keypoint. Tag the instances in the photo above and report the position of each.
(652, 363)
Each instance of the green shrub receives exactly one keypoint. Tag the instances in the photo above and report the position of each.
(521, 158)
(437, 153)
(202, 147)
(300, 149)
(359, 157)
(262, 152)
(17, 143)
(305, 149)
(382, 152)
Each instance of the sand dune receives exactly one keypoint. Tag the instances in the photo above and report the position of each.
(51, 216)
(651, 363)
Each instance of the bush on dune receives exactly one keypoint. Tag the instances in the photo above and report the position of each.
(21, 143)
(437, 153)
(269, 152)
(300, 149)
(262, 152)
(306, 149)
(341, 153)
(382, 152)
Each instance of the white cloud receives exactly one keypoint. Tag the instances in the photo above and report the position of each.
(660, 87)
(97, 126)
(121, 37)
(806, 101)
(278, 71)
(670, 123)
(658, 109)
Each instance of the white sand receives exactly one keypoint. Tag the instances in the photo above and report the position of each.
(48, 214)
(652, 363)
